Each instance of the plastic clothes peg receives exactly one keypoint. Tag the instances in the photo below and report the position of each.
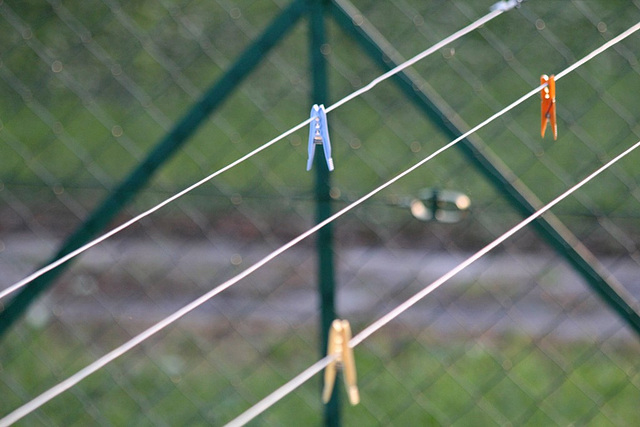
(319, 135)
(548, 105)
(505, 5)
(338, 346)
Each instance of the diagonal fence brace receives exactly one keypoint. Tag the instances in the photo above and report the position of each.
(213, 98)
(549, 227)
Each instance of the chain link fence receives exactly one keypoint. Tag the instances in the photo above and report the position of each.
(87, 88)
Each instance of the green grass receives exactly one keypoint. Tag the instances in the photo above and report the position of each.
(79, 131)
(189, 378)
(88, 99)
(82, 130)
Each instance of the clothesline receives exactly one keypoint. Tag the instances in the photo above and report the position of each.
(446, 41)
(114, 354)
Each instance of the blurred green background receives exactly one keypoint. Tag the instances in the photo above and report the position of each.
(87, 88)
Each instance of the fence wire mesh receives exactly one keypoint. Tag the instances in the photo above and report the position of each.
(87, 88)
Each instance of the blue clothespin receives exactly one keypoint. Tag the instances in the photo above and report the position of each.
(319, 135)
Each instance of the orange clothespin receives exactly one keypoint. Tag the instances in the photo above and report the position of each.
(338, 346)
(548, 105)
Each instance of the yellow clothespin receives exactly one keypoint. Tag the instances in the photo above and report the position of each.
(338, 346)
(548, 105)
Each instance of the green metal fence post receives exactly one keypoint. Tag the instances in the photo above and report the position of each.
(324, 244)
(549, 227)
(163, 151)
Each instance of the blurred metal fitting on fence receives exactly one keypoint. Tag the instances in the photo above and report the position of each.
(433, 204)
(505, 5)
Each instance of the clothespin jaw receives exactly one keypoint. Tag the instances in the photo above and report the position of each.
(319, 135)
(338, 346)
(548, 105)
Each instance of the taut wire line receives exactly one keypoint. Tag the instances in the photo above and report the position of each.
(40, 400)
(599, 50)
(296, 382)
(282, 391)
(114, 354)
(144, 214)
(444, 42)
(481, 21)
(365, 333)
